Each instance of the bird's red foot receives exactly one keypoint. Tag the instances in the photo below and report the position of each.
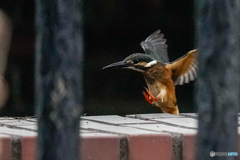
(149, 97)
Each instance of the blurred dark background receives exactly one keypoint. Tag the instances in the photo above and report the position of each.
(112, 29)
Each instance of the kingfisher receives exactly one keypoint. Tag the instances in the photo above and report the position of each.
(160, 75)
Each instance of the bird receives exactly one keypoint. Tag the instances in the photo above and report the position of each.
(160, 75)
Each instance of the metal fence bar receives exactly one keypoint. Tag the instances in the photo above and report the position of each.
(217, 89)
(59, 57)
(5, 41)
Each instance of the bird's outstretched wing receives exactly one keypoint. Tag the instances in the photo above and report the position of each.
(155, 46)
(185, 68)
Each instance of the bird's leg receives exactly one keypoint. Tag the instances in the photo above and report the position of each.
(149, 97)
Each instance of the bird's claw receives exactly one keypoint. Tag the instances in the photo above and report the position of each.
(149, 97)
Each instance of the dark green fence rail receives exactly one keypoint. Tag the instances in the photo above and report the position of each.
(218, 84)
(58, 71)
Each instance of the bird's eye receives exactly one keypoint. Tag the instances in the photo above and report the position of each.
(136, 61)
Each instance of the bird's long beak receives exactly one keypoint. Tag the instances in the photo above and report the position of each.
(120, 64)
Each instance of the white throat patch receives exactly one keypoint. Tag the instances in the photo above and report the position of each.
(151, 63)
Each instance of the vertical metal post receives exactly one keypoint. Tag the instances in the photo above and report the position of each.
(59, 54)
(5, 41)
(218, 85)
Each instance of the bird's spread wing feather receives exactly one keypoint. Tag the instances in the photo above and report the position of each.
(185, 68)
(159, 46)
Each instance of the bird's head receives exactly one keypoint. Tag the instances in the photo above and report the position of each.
(137, 61)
